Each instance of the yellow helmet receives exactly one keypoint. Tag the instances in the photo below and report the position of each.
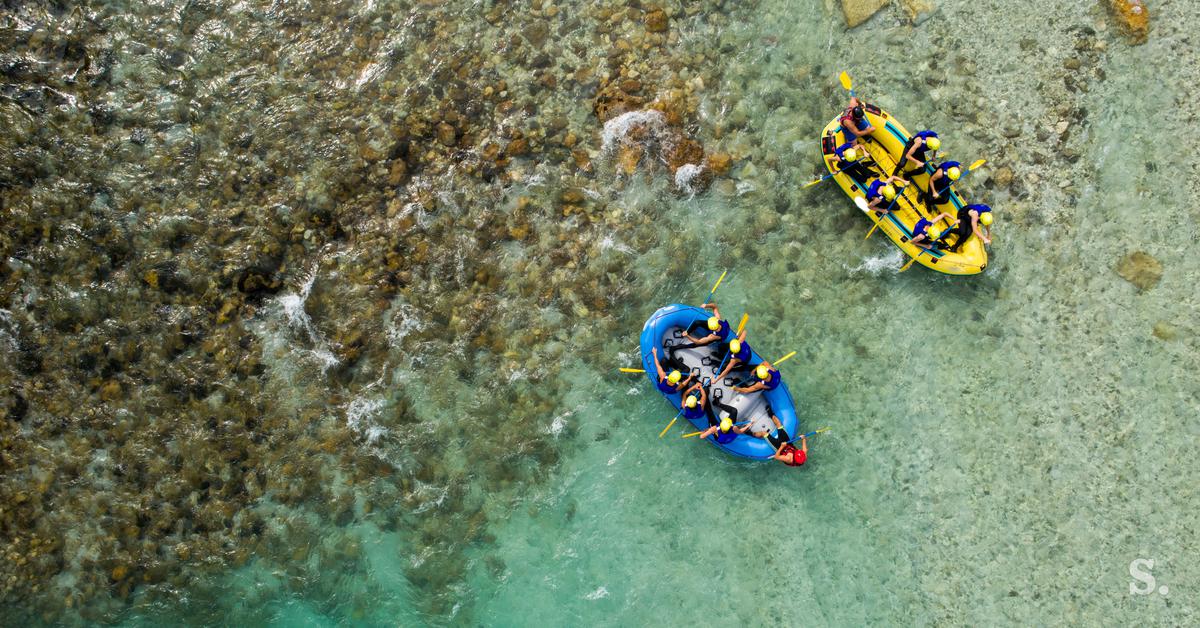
(763, 372)
(933, 143)
(726, 424)
(954, 173)
(735, 345)
(850, 155)
(673, 377)
(986, 219)
(690, 401)
(714, 323)
(888, 192)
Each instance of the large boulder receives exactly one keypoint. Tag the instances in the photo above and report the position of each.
(859, 11)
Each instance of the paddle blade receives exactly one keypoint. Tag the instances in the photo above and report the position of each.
(742, 325)
(861, 203)
(784, 358)
(691, 434)
(628, 370)
(812, 183)
(909, 264)
(719, 280)
(847, 84)
(873, 228)
(977, 164)
(668, 427)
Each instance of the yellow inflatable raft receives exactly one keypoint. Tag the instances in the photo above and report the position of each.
(886, 150)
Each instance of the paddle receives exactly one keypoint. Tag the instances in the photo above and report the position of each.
(714, 288)
(668, 427)
(691, 434)
(847, 84)
(629, 370)
(781, 360)
(813, 433)
(929, 235)
(742, 325)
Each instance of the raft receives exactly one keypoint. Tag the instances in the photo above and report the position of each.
(886, 149)
(666, 328)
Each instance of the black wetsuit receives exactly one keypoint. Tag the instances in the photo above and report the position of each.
(856, 170)
(778, 438)
(918, 154)
(962, 229)
(714, 405)
(943, 189)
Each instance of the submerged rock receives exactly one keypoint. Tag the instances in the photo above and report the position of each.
(1133, 17)
(859, 11)
(1140, 269)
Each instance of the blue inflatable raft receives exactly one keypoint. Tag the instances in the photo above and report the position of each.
(665, 329)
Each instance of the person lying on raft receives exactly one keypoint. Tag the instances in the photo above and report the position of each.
(914, 159)
(855, 163)
(669, 382)
(969, 219)
(780, 441)
(881, 193)
(739, 354)
(921, 236)
(939, 183)
(768, 379)
(854, 122)
(693, 402)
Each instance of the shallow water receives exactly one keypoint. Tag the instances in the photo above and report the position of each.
(297, 331)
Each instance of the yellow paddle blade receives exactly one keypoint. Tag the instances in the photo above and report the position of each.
(846, 83)
(812, 183)
(781, 360)
(873, 228)
(719, 280)
(664, 432)
(742, 325)
(976, 164)
(824, 429)
(628, 370)
(910, 263)
(691, 434)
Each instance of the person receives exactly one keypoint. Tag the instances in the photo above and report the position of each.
(914, 154)
(881, 193)
(716, 325)
(781, 442)
(939, 183)
(724, 430)
(854, 122)
(669, 383)
(921, 236)
(854, 163)
(768, 379)
(693, 402)
(969, 219)
(739, 354)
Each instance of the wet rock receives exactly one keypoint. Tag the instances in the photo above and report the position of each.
(918, 10)
(1140, 269)
(1003, 176)
(1132, 17)
(446, 134)
(657, 21)
(683, 151)
(1165, 331)
(859, 11)
(719, 163)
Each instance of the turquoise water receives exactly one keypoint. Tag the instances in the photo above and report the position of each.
(289, 340)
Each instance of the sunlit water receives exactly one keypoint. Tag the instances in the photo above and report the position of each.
(260, 373)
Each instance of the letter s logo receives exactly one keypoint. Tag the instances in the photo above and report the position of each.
(1145, 577)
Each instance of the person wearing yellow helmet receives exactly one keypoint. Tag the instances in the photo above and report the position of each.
(881, 193)
(766, 378)
(855, 163)
(717, 327)
(739, 354)
(969, 219)
(914, 156)
(943, 176)
(920, 233)
(693, 403)
(726, 428)
(669, 382)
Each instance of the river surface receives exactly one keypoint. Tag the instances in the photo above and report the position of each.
(311, 315)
